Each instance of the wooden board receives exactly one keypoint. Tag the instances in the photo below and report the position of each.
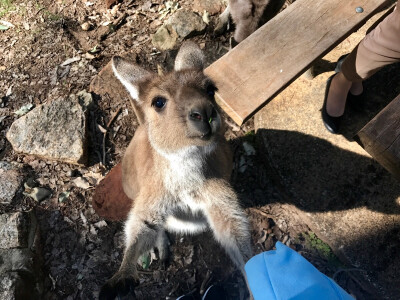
(381, 137)
(266, 62)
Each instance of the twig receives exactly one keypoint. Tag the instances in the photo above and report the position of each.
(173, 289)
(39, 10)
(105, 133)
(205, 282)
(355, 279)
(345, 270)
(233, 125)
(113, 117)
(366, 288)
(145, 272)
(118, 21)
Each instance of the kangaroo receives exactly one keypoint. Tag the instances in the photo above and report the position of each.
(247, 15)
(176, 169)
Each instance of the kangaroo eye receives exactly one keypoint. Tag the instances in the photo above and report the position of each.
(159, 102)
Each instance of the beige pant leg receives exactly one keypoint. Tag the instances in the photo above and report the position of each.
(379, 48)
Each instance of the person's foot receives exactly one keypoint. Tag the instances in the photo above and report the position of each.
(337, 95)
(356, 88)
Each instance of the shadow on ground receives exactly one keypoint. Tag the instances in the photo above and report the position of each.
(332, 178)
(323, 180)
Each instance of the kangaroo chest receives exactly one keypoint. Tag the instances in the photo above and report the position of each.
(184, 177)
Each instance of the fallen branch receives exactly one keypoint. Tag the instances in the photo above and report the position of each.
(106, 131)
(205, 282)
(345, 270)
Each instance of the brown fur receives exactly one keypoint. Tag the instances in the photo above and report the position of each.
(177, 166)
(247, 15)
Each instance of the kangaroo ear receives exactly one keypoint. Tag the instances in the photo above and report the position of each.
(189, 56)
(130, 75)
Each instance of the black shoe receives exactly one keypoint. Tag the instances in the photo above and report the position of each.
(339, 63)
(356, 102)
(332, 124)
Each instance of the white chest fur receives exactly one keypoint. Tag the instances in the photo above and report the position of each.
(185, 172)
(184, 176)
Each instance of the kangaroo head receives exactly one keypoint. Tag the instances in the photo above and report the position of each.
(179, 107)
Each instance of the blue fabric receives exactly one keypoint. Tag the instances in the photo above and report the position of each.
(283, 274)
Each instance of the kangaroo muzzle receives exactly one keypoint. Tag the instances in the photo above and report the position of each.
(203, 120)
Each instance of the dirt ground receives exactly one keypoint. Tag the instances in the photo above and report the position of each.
(81, 251)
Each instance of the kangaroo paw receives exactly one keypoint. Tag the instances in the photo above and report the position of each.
(118, 285)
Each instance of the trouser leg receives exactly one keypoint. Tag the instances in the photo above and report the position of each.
(379, 48)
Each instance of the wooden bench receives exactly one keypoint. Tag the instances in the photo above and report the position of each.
(381, 137)
(256, 70)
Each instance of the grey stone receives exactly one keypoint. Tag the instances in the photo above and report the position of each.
(85, 99)
(55, 130)
(186, 23)
(11, 285)
(38, 193)
(20, 264)
(165, 38)
(13, 260)
(11, 179)
(211, 6)
(15, 285)
(14, 230)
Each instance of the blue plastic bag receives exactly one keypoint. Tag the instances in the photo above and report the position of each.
(283, 274)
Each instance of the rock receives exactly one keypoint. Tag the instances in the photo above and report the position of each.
(55, 130)
(86, 26)
(186, 23)
(100, 224)
(249, 149)
(11, 179)
(213, 7)
(20, 265)
(165, 38)
(63, 196)
(16, 260)
(12, 287)
(38, 193)
(85, 99)
(14, 230)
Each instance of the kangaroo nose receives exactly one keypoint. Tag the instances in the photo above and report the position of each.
(198, 115)
(201, 118)
(202, 114)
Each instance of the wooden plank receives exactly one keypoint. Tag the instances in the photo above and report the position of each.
(266, 62)
(381, 137)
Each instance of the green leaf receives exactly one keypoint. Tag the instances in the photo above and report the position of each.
(145, 260)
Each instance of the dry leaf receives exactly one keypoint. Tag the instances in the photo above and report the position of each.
(70, 61)
(82, 183)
